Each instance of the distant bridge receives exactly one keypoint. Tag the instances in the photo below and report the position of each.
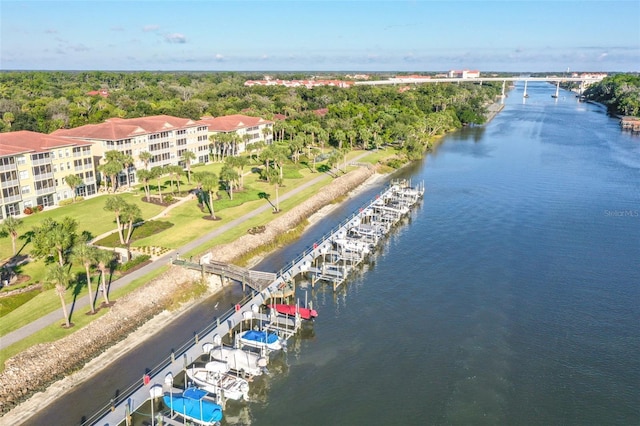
(410, 80)
(584, 81)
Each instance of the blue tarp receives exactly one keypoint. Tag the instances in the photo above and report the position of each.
(260, 336)
(191, 404)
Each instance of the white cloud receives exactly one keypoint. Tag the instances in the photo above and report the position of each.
(150, 28)
(175, 38)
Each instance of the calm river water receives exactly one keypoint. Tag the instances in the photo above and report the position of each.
(510, 297)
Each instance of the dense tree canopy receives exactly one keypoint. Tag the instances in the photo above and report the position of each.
(620, 93)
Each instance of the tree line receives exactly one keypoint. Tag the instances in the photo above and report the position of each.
(620, 93)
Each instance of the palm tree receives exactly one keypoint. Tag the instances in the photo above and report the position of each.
(209, 183)
(127, 161)
(240, 162)
(130, 214)
(86, 255)
(73, 181)
(10, 226)
(145, 176)
(116, 204)
(276, 180)
(157, 173)
(177, 172)
(53, 238)
(188, 157)
(229, 176)
(113, 166)
(111, 170)
(59, 277)
(104, 259)
(145, 157)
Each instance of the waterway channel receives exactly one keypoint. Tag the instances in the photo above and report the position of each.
(510, 296)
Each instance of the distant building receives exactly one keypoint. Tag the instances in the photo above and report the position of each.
(102, 92)
(164, 136)
(33, 167)
(593, 77)
(249, 129)
(464, 74)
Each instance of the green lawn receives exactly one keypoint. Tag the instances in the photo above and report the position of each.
(188, 224)
(55, 331)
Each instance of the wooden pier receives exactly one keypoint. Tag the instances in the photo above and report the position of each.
(329, 260)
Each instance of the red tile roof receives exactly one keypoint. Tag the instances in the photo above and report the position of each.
(123, 128)
(102, 92)
(25, 141)
(229, 123)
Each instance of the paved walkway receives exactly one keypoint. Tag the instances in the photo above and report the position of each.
(55, 316)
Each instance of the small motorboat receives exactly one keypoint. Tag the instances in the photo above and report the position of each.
(261, 340)
(193, 405)
(215, 378)
(239, 361)
(284, 309)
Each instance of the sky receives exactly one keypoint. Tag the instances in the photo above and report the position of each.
(326, 35)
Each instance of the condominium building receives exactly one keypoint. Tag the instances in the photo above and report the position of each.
(249, 129)
(33, 168)
(165, 137)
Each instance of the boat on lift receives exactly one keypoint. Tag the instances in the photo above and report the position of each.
(249, 364)
(286, 309)
(193, 405)
(215, 377)
(261, 340)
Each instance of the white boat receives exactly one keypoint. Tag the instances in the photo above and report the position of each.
(352, 246)
(239, 361)
(215, 378)
(261, 340)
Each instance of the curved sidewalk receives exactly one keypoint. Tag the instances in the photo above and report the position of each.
(57, 315)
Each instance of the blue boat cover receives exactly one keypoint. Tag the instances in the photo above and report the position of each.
(260, 336)
(192, 405)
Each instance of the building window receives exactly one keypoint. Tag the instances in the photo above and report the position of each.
(24, 174)
(25, 189)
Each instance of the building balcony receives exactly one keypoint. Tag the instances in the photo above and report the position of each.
(11, 199)
(43, 176)
(8, 183)
(46, 191)
(41, 162)
(8, 168)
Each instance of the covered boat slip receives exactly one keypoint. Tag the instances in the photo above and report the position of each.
(246, 312)
(193, 405)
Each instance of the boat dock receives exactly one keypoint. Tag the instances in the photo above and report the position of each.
(329, 260)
